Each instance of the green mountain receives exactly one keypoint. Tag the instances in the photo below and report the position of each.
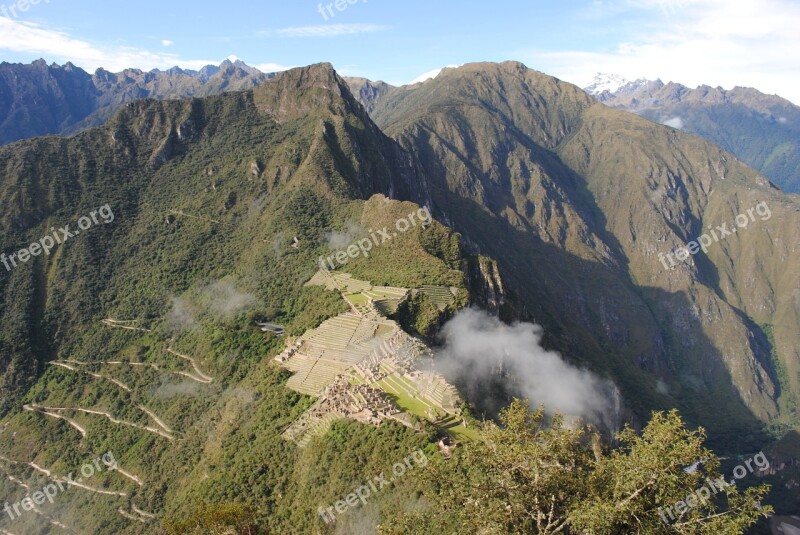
(576, 201)
(761, 130)
(200, 230)
(221, 208)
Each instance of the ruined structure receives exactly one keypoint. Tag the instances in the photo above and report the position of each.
(357, 362)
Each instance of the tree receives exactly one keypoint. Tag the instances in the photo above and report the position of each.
(646, 487)
(522, 477)
(216, 519)
(529, 476)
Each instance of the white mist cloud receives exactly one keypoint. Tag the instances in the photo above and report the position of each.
(224, 300)
(18, 36)
(184, 388)
(337, 240)
(272, 67)
(219, 300)
(675, 122)
(430, 75)
(181, 315)
(326, 30)
(478, 345)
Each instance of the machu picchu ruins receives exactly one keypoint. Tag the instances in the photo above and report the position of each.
(362, 365)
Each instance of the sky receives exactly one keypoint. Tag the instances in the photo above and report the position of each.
(752, 43)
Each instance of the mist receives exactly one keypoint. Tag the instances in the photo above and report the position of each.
(336, 240)
(220, 301)
(479, 348)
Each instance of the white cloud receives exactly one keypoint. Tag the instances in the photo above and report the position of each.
(327, 30)
(477, 346)
(675, 122)
(57, 45)
(430, 75)
(272, 67)
(167, 42)
(714, 42)
(263, 67)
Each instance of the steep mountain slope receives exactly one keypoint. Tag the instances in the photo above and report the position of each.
(761, 130)
(369, 93)
(138, 336)
(38, 99)
(141, 337)
(576, 201)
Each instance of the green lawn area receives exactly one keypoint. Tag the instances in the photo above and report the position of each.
(415, 406)
(462, 433)
(419, 408)
(378, 294)
(358, 299)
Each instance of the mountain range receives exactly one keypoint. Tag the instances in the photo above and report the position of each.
(141, 335)
(40, 99)
(761, 130)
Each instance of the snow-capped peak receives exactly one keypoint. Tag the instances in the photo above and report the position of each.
(606, 82)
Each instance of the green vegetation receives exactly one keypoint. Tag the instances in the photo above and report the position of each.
(574, 201)
(223, 208)
(526, 476)
(215, 518)
(419, 315)
(202, 247)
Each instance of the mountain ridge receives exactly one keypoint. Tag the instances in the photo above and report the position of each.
(37, 99)
(760, 129)
(537, 169)
(548, 207)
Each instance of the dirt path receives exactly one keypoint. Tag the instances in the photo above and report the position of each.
(140, 512)
(67, 366)
(51, 477)
(52, 520)
(143, 516)
(95, 375)
(111, 418)
(18, 482)
(129, 516)
(113, 362)
(147, 411)
(80, 429)
(130, 476)
(204, 378)
(156, 419)
(120, 325)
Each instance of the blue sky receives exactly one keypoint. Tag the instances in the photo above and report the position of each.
(717, 42)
